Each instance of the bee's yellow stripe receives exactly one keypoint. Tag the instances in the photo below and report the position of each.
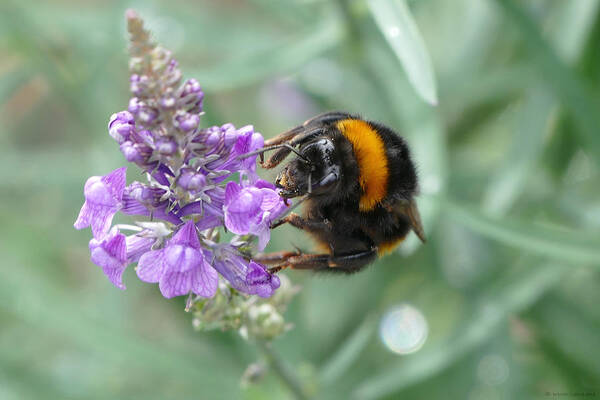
(387, 247)
(372, 160)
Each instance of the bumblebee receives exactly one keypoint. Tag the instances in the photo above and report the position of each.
(357, 183)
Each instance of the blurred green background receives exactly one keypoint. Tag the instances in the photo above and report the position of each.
(508, 282)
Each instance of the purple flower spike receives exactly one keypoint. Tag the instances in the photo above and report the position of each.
(103, 195)
(247, 277)
(180, 267)
(110, 253)
(187, 191)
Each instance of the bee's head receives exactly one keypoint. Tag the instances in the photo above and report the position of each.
(316, 171)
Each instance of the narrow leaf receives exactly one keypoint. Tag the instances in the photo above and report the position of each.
(558, 76)
(286, 56)
(562, 245)
(526, 145)
(400, 30)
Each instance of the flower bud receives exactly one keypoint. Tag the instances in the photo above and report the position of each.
(120, 126)
(265, 322)
(132, 152)
(135, 105)
(192, 96)
(136, 65)
(166, 146)
(191, 180)
(167, 102)
(186, 122)
(139, 84)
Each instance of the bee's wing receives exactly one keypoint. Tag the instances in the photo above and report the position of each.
(408, 209)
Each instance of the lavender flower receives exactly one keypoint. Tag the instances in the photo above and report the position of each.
(195, 183)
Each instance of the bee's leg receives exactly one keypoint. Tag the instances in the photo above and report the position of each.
(278, 257)
(350, 262)
(302, 223)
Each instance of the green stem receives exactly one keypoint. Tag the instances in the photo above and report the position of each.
(283, 371)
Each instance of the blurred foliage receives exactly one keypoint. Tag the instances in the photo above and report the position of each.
(510, 182)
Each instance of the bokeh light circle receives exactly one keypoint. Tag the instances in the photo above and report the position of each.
(403, 329)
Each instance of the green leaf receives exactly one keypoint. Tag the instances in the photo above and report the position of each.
(526, 145)
(562, 245)
(515, 295)
(283, 57)
(559, 77)
(400, 30)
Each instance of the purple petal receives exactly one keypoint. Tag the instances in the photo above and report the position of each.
(115, 182)
(262, 184)
(151, 266)
(161, 213)
(261, 281)
(242, 206)
(207, 222)
(234, 268)
(242, 145)
(138, 245)
(263, 232)
(248, 200)
(247, 277)
(103, 197)
(186, 235)
(192, 208)
(237, 223)
(111, 254)
(205, 281)
(271, 199)
(98, 216)
(201, 280)
(232, 191)
(181, 258)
